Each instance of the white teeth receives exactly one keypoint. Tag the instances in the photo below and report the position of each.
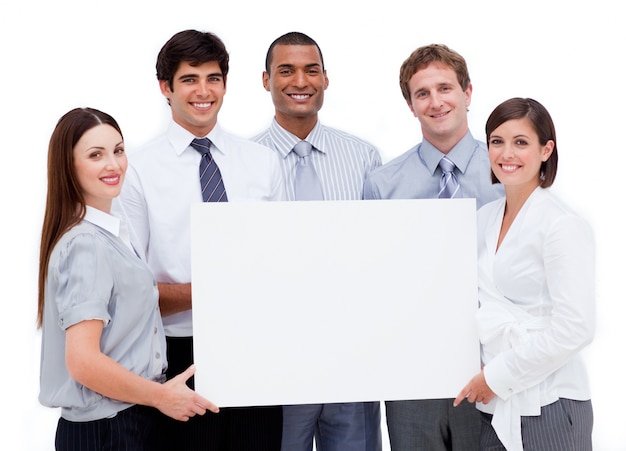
(110, 179)
(509, 167)
(300, 96)
(202, 105)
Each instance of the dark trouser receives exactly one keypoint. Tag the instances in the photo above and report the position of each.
(132, 429)
(232, 429)
(432, 425)
(564, 425)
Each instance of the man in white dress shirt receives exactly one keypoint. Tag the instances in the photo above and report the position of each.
(162, 182)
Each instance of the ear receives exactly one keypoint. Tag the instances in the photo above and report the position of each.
(468, 95)
(165, 88)
(411, 108)
(266, 81)
(325, 81)
(547, 150)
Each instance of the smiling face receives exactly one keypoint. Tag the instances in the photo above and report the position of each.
(297, 82)
(100, 164)
(516, 154)
(440, 104)
(196, 96)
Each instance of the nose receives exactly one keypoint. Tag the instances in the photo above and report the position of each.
(507, 151)
(300, 78)
(112, 162)
(203, 88)
(436, 99)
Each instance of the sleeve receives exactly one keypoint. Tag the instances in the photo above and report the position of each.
(279, 190)
(375, 160)
(84, 281)
(569, 262)
(370, 190)
(131, 205)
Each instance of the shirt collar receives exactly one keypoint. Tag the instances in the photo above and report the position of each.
(180, 138)
(460, 154)
(103, 220)
(285, 141)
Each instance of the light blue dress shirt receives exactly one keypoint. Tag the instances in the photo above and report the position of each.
(415, 174)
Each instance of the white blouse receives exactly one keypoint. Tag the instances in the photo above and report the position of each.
(537, 308)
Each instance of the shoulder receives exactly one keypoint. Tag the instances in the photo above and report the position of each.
(262, 138)
(549, 209)
(83, 242)
(345, 137)
(241, 143)
(397, 165)
(145, 153)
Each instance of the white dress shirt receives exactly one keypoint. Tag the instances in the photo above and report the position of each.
(162, 182)
(537, 308)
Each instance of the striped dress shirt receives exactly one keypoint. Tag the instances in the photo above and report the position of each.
(342, 161)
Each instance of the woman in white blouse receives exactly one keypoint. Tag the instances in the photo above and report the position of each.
(536, 265)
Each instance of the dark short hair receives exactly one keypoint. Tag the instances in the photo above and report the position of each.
(291, 38)
(422, 57)
(542, 124)
(193, 47)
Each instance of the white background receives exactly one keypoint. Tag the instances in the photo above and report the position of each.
(64, 54)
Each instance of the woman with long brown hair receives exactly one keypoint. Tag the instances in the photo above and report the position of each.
(103, 346)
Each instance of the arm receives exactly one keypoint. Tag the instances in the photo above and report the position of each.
(370, 191)
(88, 366)
(568, 262)
(174, 297)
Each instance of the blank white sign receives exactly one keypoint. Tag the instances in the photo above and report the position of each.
(318, 302)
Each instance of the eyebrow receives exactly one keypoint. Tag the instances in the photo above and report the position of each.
(183, 76)
(293, 65)
(102, 147)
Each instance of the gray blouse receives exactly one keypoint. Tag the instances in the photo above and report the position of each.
(94, 274)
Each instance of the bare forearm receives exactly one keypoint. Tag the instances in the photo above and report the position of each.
(103, 375)
(90, 367)
(174, 297)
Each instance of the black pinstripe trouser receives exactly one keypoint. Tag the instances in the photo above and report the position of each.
(132, 429)
(564, 425)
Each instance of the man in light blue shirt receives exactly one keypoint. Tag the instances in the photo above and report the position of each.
(295, 76)
(436, 86)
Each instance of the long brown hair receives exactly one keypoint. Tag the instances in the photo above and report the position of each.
(65, 204)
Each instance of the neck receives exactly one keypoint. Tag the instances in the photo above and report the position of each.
(516, 196)
(445, 142)
(299, 126)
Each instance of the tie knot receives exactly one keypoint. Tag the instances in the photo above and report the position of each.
(303, 149)
(446, 165)
(202, 145)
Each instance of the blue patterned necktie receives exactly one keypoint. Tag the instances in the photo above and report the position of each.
(307, 185)
(210, 176)
(448, 184)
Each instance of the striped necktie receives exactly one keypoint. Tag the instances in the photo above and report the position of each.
(210, 176)
(448, 184)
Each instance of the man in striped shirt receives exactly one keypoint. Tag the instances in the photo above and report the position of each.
(296, 78)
